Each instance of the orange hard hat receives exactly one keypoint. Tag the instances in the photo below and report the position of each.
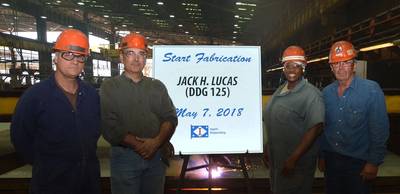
(342, 51)
(294, 53)
(72, 40)
(133, 40)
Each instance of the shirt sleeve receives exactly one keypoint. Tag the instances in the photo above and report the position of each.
(168, 110)
(23, 127)
(378, 124)
(109, 116)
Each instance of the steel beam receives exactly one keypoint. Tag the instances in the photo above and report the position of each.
(24, 43)
(36, 10)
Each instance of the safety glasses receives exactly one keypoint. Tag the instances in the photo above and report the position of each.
(69, 56)
(343, 64)
(293, 65)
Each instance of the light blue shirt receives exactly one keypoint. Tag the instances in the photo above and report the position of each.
(356, 124)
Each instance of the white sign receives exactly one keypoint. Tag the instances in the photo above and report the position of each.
(217, 94)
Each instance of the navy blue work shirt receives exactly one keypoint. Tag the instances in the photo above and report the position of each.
(58, 141)
(356, 124)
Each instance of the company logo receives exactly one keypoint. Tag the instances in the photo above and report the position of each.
(199, 131)
(339, 51)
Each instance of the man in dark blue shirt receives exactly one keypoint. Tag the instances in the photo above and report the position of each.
(56, 124)
(356, 126)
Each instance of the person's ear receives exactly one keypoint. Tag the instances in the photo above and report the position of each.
(55, 59)
(121, 57)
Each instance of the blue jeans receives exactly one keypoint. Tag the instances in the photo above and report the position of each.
(342, 175)
(131, 174)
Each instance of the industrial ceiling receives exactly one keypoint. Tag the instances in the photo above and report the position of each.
(271, 24)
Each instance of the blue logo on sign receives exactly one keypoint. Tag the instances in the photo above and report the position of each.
(199, 131)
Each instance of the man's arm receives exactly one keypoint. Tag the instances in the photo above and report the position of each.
(378, 124)
(131, 141)
(23, 127)
(168, 120)
(149, 146)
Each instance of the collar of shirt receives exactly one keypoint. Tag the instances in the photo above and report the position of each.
(353, 84)
(126, 78)
(295, 89)
(81, 87)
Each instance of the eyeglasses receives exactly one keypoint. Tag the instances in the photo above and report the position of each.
(129, 53)
(69, 56)
(343, 63)
(293, 65)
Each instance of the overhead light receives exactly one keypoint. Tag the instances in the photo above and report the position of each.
(318, 59)
(236, 25)
(379, 46)
(147, 37)
(123, 25)
(90, 33)
(246, 4)
(171, 16)
(76, 10)
(70, 26)
(106, 16)
(137, 32)
(186, 32)
(81, 3)
(5, 4)
(236, 16)
(191, 37)
(234, 37)
(180, 25)
(43, 17)
(58, 1)
(160, 3)
(233, 42)
(235, 32)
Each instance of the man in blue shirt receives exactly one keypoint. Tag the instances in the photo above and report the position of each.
(356, 126)
(56, 124)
